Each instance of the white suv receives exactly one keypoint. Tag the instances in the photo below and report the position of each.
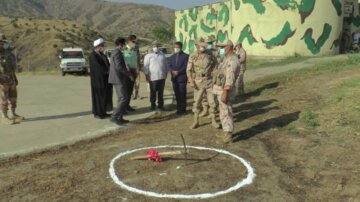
(73, 61)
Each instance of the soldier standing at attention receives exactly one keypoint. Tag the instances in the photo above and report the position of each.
(132, 62)
(199, 69)
(224, 89)
(8, 83)
(137, 80)
(241, 53)
(212, 50)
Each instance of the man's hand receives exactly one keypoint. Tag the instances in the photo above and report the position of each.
(147, 78)
(128, 68)
(132, 78)
(175, 73)
(193, 84)
(224, 96)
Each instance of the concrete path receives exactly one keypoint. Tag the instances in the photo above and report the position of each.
(58, 110)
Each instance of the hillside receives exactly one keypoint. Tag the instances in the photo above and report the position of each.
(106, 17)
(38, 42)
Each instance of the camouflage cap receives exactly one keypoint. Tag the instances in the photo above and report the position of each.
(210, 39)
(238, 43)
(132, 37)
(201, 42)
(155, 43)
(228, 43)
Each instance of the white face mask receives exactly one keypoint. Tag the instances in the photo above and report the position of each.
(130, 46)
(177, 50)
(202, 49)
(156, 49)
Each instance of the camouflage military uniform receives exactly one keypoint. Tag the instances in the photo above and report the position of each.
(240, 88)
(199, 68)
(225, 75)
(205, 103)
(8, 83)
(137, 80)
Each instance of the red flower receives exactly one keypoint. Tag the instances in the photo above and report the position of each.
(153, 155)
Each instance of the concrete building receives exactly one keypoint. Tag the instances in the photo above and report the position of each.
(273, 27)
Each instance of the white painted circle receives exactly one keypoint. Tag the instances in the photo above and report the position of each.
(246, 181)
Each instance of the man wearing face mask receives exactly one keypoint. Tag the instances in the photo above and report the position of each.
(199, 69)
(212, 50)
(8, 83)
(177, 65)
(241, 53)
(137, 81)
(224, 89)
(101, 90)
(119, 76)
(132, 64)
(155, 70)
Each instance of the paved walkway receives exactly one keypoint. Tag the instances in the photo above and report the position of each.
(58, 111)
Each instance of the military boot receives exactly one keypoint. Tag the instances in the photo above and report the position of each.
(226, 139)
(214, 123)
(196, 121)
(15, 117)
(204, 112)
(6, 120)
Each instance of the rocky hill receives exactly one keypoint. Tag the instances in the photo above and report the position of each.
(38, 42)
(105, 17)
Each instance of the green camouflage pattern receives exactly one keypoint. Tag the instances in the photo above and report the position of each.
(269, 27)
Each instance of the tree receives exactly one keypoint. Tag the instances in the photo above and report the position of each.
(163, 34)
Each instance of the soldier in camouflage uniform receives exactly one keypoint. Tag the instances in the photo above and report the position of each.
(224, 89)
(241, 53)
(8, 83)
(211, 49)
(141, 63)
(199, 69)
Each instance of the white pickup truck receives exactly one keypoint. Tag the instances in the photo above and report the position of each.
(73, 61)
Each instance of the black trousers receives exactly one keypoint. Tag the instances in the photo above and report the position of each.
(157, 90)
(123, 101)
(130, 85)
(180, 95)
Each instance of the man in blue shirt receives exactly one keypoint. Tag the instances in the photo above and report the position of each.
(177, 64)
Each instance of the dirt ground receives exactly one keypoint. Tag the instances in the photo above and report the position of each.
(301, 135)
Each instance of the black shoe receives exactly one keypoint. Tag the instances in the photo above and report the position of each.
(119, 122)
(130, 109)
(126, 112)
(179, 113)
(152, 108)
(161, 108)
(124, 121)
(102, 116)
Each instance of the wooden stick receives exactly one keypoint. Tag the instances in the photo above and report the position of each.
(161, 154)
(185, 149)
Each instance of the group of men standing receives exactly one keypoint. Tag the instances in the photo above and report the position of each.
(121, 73)
(8, 84)
(216, 73)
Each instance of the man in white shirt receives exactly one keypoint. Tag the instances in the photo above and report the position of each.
(155, 70)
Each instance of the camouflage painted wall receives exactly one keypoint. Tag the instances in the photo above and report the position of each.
(267, 27)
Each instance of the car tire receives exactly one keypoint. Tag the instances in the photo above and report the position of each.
(63, 73)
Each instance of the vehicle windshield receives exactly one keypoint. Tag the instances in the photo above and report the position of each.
(72, 54)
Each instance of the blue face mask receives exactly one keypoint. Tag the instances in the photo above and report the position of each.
(209, 47)
(222, 52)
(6, 46)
